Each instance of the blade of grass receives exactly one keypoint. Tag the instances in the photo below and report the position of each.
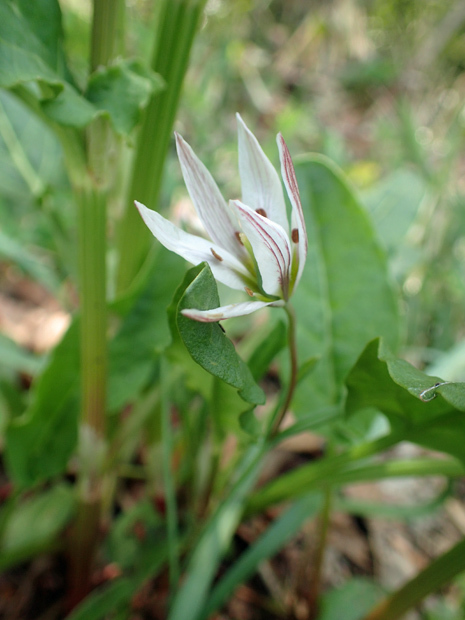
(266, 546)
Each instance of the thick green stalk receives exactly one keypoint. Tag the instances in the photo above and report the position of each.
(176, 27)
(91, 191)
(435, 576)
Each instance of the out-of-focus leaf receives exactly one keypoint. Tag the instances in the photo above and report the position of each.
(40, 442)
(13, 357)
(32, 265)
(266, 546)
(143, 333)
(33, 525)
(352, 601)
(393, 204)
(344, 298)
(274, 341)
(44, 19)
(24, 59)
(123, 90)
(394, 387)
(214, 540)
(206, 342)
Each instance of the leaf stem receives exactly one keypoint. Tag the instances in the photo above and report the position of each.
(316, 573)
(294, 370)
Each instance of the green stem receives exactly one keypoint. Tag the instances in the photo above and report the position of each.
(294, 370)
(91, 196)
(437, 574)
(176, 27)
(322, 536)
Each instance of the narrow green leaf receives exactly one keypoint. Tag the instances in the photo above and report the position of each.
(344, 298)
(260, 360)
(266, 546)
(190, 598)
(206, 342)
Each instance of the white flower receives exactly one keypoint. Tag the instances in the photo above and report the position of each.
(252, 248)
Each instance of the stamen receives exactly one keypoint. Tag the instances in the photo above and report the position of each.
(249, 291)
(261, 212)
(295, 235)
(238, 237)
(216, 255)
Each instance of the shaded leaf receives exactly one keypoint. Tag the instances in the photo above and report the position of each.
(40, 442)
(206, 342)
(394, 387)
(344, 298)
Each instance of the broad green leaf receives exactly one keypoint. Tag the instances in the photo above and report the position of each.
(344, 298)
(393, 204)
(40, 442)
(118, 92)
(394, 387)
(123, 90)
(266, 546)
(44, 19)
(144, 332)
(352, 601)
(33, 525)
(206, 342)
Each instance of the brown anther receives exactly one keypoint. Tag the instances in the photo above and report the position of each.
(238, 237)
(261, 212)
(215, 254)
(249, 291)
(295, 235)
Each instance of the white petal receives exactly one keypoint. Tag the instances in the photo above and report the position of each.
(226, 312)
(297, 218)
(225, 267)
(271, 248)
(208, 201)
(261, 185)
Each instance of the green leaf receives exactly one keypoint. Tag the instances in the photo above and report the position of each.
(118, 92)
(33, 525)
(394, 387)
(214, 540)
(206, 342)
(13, 357)
(393, 204)
(351, 601)
(123, 90)
(143, 333)
(40, 442)
(44, 18)
(266, 546)
(344, 298)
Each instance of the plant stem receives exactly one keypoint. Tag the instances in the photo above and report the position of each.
(294, 370)
(437, 574)
(316, 573)
(91, 196)
(176, 27)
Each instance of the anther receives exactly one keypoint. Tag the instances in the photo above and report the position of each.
(295, 235)
(249, 291)
(215, 254)
(261, 212)
(238, 237)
